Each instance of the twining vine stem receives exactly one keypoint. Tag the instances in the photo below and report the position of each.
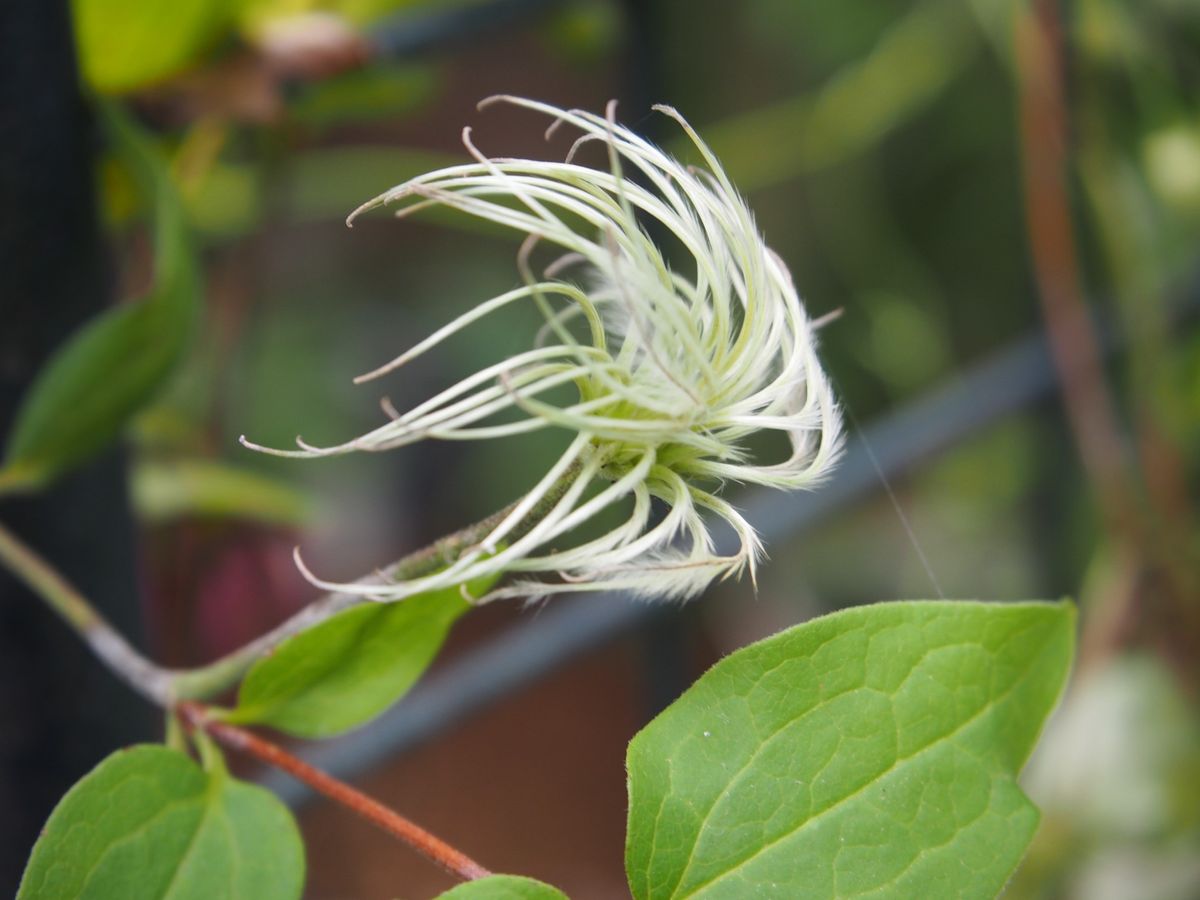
(178, 689)
(453, 861)
(149, 680)
(165, 686)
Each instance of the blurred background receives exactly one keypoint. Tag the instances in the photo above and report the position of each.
(1002, 198)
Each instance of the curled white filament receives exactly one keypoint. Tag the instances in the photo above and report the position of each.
(674, 371)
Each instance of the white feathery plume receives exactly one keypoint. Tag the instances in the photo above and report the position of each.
(675, 371)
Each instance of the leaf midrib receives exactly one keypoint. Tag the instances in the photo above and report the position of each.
(135, 834)
(948, 736)
(210, 802)
(727, 790)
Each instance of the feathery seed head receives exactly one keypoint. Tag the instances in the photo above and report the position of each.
(674, 370)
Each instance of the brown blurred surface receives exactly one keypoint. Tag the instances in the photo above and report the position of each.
(534, 785)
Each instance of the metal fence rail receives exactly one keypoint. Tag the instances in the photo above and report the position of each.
(410, 34)
(1006, 383)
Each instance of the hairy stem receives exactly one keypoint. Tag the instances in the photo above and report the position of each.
(215, 677)
(164, 686)
(452, 860)
(148, 679)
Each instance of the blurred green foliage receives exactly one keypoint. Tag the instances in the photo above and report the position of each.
(200, 488)
(877, 143)
(380, 91)
(113, 366)
(128, 44)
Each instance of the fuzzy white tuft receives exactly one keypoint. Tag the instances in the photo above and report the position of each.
(673, 371)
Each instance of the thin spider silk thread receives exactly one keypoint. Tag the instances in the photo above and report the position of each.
(905, 522)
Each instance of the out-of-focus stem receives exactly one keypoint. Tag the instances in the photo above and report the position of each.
(1153, 571)
(1044, 150)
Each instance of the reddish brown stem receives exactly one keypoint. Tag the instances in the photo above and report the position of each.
(1150, 567)
(453, 861)
(1044, 148)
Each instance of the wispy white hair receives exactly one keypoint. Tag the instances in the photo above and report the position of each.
(674, 371)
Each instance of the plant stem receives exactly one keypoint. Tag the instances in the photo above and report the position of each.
(164, 686)
(217, 676)
(453, 861)
(1140, 518)
(1045, 145)
(151, 681)
(206, 681)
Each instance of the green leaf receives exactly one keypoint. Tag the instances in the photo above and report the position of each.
(349, 669)
(149, 823)
(196, 487)
(872, 752)
(108, 370)
(503, 887)
(127, 44)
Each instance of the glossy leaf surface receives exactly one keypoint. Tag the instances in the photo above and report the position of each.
(150, 823)
(349, 669)
(869, 753)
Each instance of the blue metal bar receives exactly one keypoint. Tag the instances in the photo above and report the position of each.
(409, 34)
(1002, 385)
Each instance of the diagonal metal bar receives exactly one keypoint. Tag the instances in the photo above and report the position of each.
(1000, 386)
(1011, 380)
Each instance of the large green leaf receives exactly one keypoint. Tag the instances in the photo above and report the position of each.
(869, 753)
(503, 887)
(107, 371)
(349, 669)
(149, 823)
